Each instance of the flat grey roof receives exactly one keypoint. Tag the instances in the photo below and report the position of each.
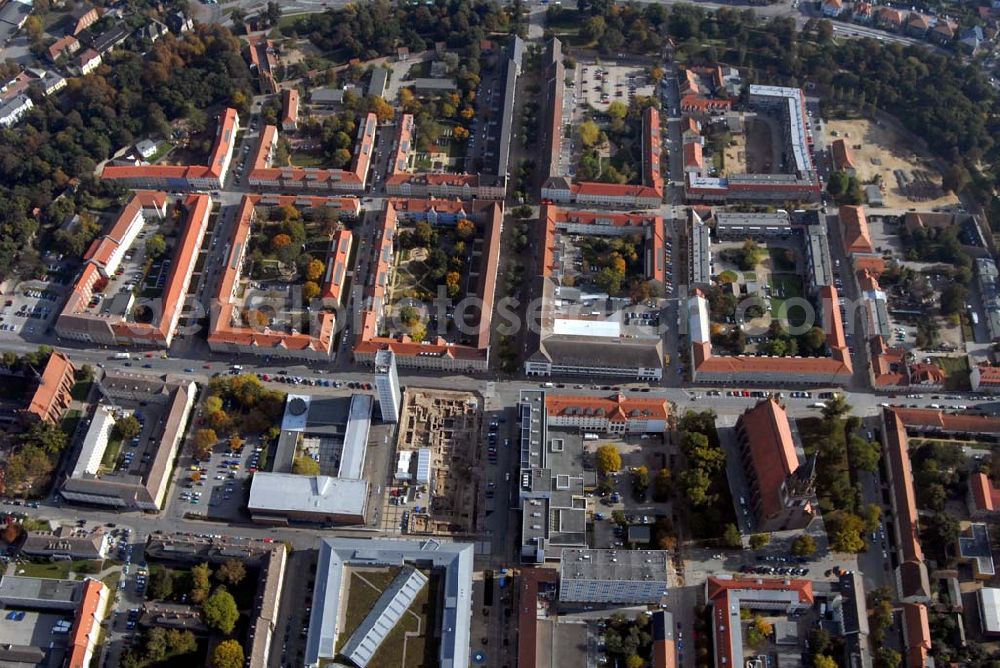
(335, 554)
(288, 492)
(51, 592)
(776, 219)
(622, 565)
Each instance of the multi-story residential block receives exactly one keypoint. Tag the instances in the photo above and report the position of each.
(184, 177)
(634, 577)
(93, 316)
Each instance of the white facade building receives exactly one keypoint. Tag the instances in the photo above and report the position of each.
(387, 385)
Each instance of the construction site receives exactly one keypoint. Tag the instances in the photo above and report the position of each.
(435, 483)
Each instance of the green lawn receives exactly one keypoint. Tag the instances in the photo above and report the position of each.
(57, 569)
(111, 453)
(70, 422)
(306, 160)
(784, 287)
(957, 369)
(31, 524)
(361, 598)
(81, 390)
(162, 150)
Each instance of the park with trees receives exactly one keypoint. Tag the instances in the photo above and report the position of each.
(48, 165)
(433, 260)
(842, 453)
(220, 593)
(702, 480)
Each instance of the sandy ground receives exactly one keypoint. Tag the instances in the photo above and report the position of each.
(736, 156)
(882, 152)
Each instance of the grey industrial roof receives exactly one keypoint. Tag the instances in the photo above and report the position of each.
(352, 459)
(287, 492)
(337, 553)
(699, 249)
(380, 77)
(52, 592)
(741, 219)
(620, 565)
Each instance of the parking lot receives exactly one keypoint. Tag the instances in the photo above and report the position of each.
(217, 486)
(600, 85)
(637, 450)
(31, 310)
(134, 456)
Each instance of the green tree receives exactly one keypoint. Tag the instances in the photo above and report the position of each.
(161, 584)
(219, 611)
(156, 246)
(305, 466)
(409, 316)
(837, 183)
(662, 485)
(759, 540)
(835, 408)
(634, 661)
(201, 584)
(804, 546)
(731, 537)
(590, 133)
(823, 661)
(617, 110)
(127, 428)
(845, 531)
(228, 654)
(608, 459)
(886, 657)
(204, 441)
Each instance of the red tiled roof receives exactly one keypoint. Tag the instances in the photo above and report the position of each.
(697, 103)
(554, 216)
(224, 138)
(616, 408)
(85, 625)
(911, 556)
(69, 44)
(689, 124)
(693, 155)
(843, 159)
(772, 451)
(225, 333)
(930, 418)
(918, 634)
(857, 238)
(651, 149)
(527, 612)
(290, 100)
(984, 494)
(52, 396)
(404, 144)
(989, 375)
(719, 591)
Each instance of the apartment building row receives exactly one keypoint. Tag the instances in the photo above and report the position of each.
(436, 353)
(231, 331)
(835, 368)
(92, 315)
(264, 174)
(563, 190)
(184, 177)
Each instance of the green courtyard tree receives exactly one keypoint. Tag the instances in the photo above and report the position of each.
(219, 611)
